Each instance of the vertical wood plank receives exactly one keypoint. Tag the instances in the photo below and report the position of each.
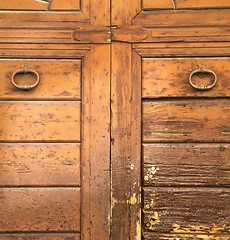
(126, 143)
(96, 144)
(135, 102)
(100, 12)
(123, 11)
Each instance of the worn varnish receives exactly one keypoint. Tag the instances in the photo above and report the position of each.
(184, 4)
(186, 164)
(186, 121)
(40, 5)
(170, 77)
(35, 209)
(40, 164)
(165, 236)
(40, 121)
(187, 210)
(41, 236)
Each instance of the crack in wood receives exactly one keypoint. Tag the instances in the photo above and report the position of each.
(174, 4)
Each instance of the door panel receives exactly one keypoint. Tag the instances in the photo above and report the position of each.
(186, 210)
(59, 79)
(44, 210)
(184, 4)
(40, 5)
(55, 143)
(170, 77)
(40, 121)
(186, 164)
(30, 164)
(186, 121)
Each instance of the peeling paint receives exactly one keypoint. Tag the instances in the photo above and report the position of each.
(167, 132)
(198, 229)
(132, 166)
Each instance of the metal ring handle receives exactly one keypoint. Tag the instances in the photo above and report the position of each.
(202, 70)
(25, 70)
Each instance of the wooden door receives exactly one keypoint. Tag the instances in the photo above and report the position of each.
(111, 140)
(170, 137)
(55, 136)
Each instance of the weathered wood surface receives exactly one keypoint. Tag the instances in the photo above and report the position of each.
(71, 5)
(168, 236)
(92, 35)
(187, 210)
(42, 209)
(40, 5)
(125, 142)
(41, 236)
(39, 164)
(59, 79)
(184, 4)
(170, 77)
(124, 11)
(40, 121)
(95, 144)
(186, 121)
(186, 164)
(185, 19)
(158, 4)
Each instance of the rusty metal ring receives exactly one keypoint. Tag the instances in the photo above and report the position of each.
(25, 70)
(202, 71)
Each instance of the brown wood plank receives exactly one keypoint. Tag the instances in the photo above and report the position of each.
(59, 79)
(125, 142)
(40, 121)
(157, 4)
(183, 18)
(124, 11)
(51, 209)
(39, 35)
(187, 210)
(186, 121)
(186, 165)
(95, 148)
(120, 140)
(194, 4)
(41, 236)
(52, 16)
(184, 4)
(24, 5)
(71, 5)
(168, 236)
(40, 165)
(170, 77)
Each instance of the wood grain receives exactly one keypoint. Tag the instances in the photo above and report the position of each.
(158, 4)
(25, 5)
(194, 4)
(186, 121)
(124, 11)
(40, 164)
(50, 209)
(170, 77)
(187, 210)
(186, 165)
(95, 148)
(168, 236)
(40, 121)
(184, 4)
(40, 5)
(41, 236)
(59, 79)
(72, 5)
(125, 142)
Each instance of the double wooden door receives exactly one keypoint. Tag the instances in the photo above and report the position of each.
(114, 119)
